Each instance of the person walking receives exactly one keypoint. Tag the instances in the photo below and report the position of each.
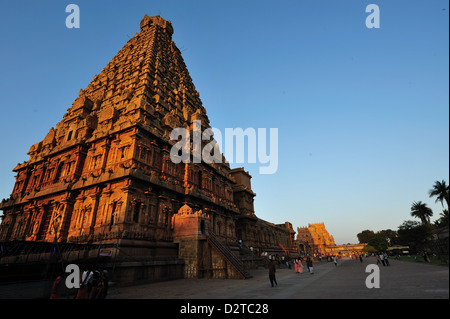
(272, 270)
(382, 259)
(335, 261)
(56, 288)
(300, 266)
(85, 285)
(309, 263)
(104, 285)
(386, 259)
(95, 285)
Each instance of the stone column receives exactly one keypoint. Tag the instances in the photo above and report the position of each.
(96, 199)
(106, 147)
(66, 218)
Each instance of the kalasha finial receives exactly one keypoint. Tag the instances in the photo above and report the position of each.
(147, 22)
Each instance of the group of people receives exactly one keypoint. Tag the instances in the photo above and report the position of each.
(298, 267)
(93, 285)
(383, 259)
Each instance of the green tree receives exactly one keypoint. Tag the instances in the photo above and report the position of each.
(389, 234)
(379, 242)
(443, 220)
(441, 191)
(414, 234)
(422, 211)
(365, 236)
(370, 249)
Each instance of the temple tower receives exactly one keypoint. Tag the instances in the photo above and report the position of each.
(104, 174)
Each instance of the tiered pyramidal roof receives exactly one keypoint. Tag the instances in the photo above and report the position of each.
(104, 174)
(113, 148)
(146, 82)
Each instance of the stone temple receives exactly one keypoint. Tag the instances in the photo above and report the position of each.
(103, 176)
(315, 238)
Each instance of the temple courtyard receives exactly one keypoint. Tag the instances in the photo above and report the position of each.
(401, 280)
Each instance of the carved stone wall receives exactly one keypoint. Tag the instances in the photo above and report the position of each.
(314, 239)
(104, 173)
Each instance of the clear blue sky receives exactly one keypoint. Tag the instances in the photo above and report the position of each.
(362, 114)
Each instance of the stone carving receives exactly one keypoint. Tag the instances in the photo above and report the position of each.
(98, 146)
(185, 210)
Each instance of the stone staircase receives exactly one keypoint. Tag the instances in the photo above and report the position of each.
(232, 259)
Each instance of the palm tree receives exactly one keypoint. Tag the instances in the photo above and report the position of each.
(441, 190)
(422, 211)
(443, 220)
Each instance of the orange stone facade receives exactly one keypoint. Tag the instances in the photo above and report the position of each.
(314, 239)
(104, 173)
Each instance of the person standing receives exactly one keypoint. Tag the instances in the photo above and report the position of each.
(382, 259)
(95, 285)
(386, 259)
(56, 288)
(85, 285)
(335, 261)
(272, 270)
(300, 266)
(104, 285)
(309, 263)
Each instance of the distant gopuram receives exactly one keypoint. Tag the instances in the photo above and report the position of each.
(104, 174)
(314, 239)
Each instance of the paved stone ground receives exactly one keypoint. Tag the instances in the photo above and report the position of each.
(24, 290)
(401, 280)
